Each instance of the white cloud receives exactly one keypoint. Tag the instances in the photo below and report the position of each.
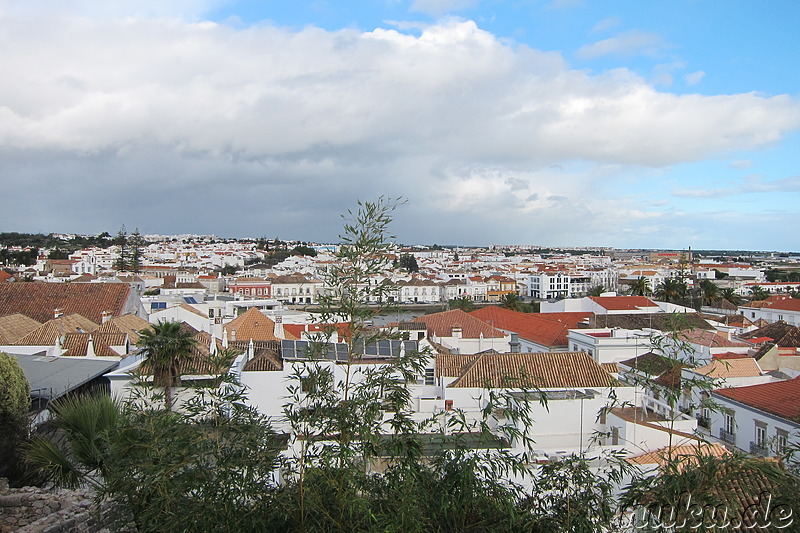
(606, 24)
(630, 43)
(164, 113)
(741, 164)
(455, 91)
(695, 77)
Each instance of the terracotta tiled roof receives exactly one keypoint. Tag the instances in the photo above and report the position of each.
(14, 327)
(535, 327)
(416, 283)
(264, 361)
(763, 350)
(781, 398)
(623, 303)
(77, 344)
(342, 329)
(128, 324)
(293, 278)
(5, 276)
(686, 454)
(193, 310)
(659, 321)
(47, 333)
(39, 300)
(649, 363)
(442, 324)
(453, 365)
(732, 355)
(611, 368)
(542, 370)
(253, 324)
(672, 377)
(730, 368)
(781, 333)
(712, 339)
(783, 304)
(199, 361)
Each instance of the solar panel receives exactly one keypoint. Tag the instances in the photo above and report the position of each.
(306, 350)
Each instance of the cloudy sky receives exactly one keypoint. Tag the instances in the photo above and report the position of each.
(550, 122)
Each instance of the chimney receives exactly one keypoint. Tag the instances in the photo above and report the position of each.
(90, 348)
(233, 334)
(456, 332)
(279, 327)
(58, 313)
(104, 316)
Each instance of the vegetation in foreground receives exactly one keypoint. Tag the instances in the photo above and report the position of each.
(215, 464)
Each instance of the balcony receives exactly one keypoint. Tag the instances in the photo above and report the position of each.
(759, 448)
(704, 422)
(727, 436)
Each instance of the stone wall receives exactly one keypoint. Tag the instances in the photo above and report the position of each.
(37, 510)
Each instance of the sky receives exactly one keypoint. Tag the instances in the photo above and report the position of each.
(628, 124)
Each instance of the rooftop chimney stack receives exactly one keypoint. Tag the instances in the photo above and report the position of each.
(58, 313)
(104, 317)
(279, 327)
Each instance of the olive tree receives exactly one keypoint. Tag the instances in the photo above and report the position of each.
(14, 404)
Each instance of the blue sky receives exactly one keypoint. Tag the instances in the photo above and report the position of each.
(554, 122)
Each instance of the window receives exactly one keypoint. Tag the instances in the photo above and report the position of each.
(781, 441)
(761, 433)
(430, 376)
(730, 424)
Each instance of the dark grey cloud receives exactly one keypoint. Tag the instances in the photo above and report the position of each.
(176, 126)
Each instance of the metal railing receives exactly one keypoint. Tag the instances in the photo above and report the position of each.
(727, 436)
(759, 448)
(704, 422)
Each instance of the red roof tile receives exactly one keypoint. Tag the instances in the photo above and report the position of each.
(781, 398)
(623, 303)
(535, 327)
(40, 300)
(442, 324)
(528, 370)
(255, 325)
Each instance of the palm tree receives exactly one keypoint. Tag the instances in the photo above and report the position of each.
(641, 287)
(709, 291)
(596, 290)
(463, 303)
(77, 452)
(165, 345)
(511, 301)
(671, 290)
(757, 292)
(729, 294)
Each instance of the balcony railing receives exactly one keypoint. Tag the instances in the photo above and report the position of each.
(704, 422)
(759, 448)
(727, 436)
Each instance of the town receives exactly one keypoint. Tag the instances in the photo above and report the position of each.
(640, 354)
